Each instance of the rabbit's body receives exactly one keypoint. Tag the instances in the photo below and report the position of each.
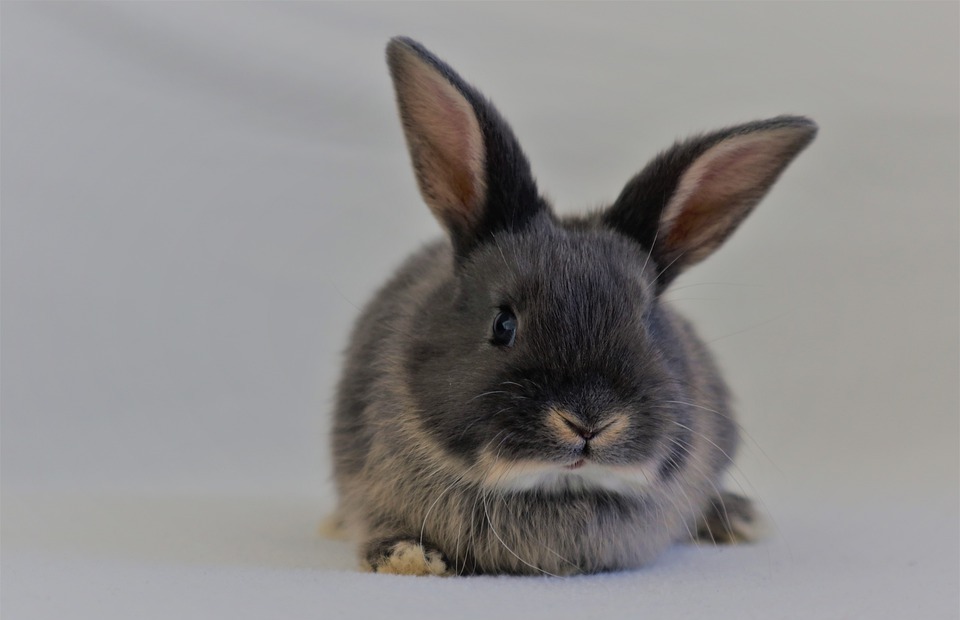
(393, 479)
(589, 427)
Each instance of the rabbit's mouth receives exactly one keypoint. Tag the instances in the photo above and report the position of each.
(576, 465)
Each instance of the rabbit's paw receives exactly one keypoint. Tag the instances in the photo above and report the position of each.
(405, 557)
(730, 519)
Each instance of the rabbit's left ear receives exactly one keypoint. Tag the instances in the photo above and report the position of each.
(470, 168)
(689, 199)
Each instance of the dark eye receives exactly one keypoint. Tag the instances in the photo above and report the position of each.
(504, 328)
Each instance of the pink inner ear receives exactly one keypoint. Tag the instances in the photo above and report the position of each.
(455, 145)
(446, 144)
(450, 121)
(731, 166)
(729, 171)
(720, 189)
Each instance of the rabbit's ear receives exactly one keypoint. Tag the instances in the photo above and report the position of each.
(691, 197)
(470, 168)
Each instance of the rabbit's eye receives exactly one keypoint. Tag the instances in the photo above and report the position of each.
(504, 328)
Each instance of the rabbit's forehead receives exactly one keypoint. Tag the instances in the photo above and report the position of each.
(590, 268)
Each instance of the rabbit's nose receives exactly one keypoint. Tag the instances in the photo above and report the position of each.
(572, 428)
(579, 429)
(568, 426)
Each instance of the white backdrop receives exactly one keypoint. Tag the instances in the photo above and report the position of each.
(197, 196)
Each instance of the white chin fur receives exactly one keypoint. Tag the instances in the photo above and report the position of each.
(590, 476)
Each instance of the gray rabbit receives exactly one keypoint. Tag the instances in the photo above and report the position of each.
(518, 398)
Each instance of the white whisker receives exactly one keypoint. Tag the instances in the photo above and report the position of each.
(486, 513)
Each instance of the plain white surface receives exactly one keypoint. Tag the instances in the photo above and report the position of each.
(196, 197)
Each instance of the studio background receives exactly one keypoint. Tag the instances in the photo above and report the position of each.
(197, 197)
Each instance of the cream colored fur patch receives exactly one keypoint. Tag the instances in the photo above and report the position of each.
(408, 558)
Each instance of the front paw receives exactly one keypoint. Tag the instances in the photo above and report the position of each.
(404, 556)
(729, 519)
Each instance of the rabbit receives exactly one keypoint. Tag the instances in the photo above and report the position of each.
(519, 398)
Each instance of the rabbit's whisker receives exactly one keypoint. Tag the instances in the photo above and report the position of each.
(488, 394)
(458, 480)
(752, 327)
(486, 513)
(740, 427)
(685, 446)
(736, 468)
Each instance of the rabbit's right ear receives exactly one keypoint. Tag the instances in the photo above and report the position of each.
(691, 197)
(470, 168)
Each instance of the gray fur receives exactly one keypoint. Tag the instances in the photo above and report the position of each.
(445, 440)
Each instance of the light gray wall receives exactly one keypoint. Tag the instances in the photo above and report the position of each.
(196, 197)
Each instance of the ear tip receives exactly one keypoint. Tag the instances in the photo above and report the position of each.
(397, 48)
(804, 126)
(396, 44)
(402, 46)
(405, 54)
(401, 51)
